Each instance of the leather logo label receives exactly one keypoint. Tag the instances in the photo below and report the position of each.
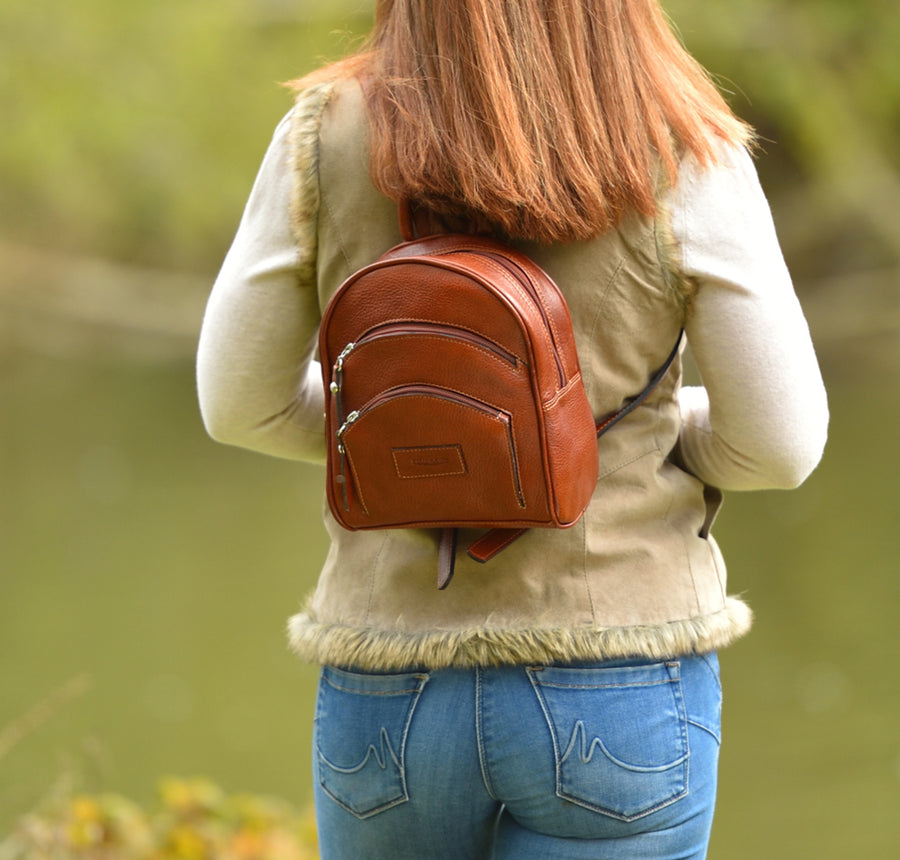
(433, 461)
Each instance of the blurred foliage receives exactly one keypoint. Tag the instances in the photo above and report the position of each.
(133, 131)
(820, 80)
(195, 820)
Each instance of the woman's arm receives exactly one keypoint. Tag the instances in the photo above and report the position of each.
(760, 418)
(258, 382)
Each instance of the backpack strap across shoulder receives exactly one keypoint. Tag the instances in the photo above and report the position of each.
(496, 540)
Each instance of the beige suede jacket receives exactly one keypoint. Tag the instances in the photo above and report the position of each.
(640, 574)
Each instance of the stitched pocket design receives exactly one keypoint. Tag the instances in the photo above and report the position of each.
(362, 722)
(619, 736)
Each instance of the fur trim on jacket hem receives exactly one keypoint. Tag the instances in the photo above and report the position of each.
(382, 650)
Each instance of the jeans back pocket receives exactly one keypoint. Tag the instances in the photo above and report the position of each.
(361, 725)
(619, 736)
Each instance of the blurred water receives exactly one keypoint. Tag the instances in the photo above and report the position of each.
(154, 570)
(161, 566)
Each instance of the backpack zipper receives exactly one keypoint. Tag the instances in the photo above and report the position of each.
(524, 279)
(398, 329)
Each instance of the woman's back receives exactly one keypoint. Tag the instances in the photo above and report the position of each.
(644, 531)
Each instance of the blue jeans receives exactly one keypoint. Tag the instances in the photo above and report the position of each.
(603, 760)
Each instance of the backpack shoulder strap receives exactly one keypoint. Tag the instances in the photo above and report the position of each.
(495, 540)
(611, 420)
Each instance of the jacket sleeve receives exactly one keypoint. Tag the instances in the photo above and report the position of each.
(258, 382)
(760, 418)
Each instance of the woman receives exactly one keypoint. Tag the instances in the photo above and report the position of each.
(564, 700)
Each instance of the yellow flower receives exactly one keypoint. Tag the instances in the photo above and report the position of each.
(83, 808)
(184, 843)
(187, 796)
(85, 825)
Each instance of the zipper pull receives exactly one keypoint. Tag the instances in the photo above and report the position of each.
(342, 478)
(337, 380)
(339, 363)
(344, 427)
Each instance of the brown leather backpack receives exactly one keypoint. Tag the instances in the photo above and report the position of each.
(454, 397)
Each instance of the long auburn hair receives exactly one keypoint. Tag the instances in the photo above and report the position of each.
(549, 119)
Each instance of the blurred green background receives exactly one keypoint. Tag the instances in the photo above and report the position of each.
(146, 573)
